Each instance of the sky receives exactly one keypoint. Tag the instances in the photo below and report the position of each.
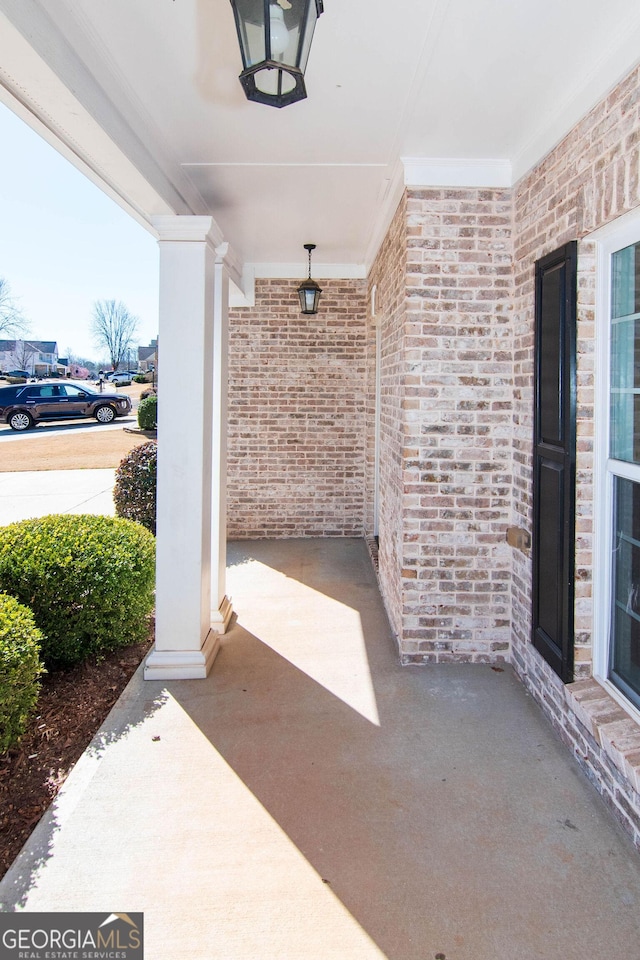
(64, 244)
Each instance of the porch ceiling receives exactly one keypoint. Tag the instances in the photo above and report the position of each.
(143, 95)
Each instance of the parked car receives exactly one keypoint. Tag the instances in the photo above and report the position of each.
(28, 404)
(121, 377)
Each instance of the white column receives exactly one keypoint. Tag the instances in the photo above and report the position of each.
(185, 644)
(221, 610)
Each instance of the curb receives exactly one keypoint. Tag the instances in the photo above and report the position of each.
(152, 434)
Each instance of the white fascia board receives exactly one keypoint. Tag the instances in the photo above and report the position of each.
(41, 71)
(54, 140)
(456, 172)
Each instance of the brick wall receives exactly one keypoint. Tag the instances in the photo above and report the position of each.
(297, 417)
(443, 282)
(388, 275)
(457, 474)
(590, 178)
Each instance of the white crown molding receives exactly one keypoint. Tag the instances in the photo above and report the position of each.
(388, 200)
(319, 271)
(456, 172)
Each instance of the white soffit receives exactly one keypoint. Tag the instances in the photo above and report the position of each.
(427, 172)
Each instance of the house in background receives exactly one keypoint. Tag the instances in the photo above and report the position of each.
(148, 357)
(466, 394)
(68, 368)
(38, 357)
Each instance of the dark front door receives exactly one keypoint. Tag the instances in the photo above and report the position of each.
(554, 479)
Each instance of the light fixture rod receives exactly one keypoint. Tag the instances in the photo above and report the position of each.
(309, 247)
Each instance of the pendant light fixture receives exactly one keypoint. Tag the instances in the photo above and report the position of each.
(275, 40)
(309, 291)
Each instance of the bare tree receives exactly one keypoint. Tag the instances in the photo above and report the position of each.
(113, 328)
(78, 361)
(12, 320)
(24, 356)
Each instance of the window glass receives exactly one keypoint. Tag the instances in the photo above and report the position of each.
(625, 648)
(624, 281)
(625, 355)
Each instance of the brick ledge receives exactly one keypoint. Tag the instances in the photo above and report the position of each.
(611, 727)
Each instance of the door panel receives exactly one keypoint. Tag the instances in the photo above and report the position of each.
(49, 402)
(76, 401)
(555, 459)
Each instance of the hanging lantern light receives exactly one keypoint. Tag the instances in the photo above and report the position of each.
(275, 39)
(309, 291)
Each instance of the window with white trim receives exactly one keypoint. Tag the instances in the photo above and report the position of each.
(617, 547)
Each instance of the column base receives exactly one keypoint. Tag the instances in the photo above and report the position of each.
(220, 619)
(183, 664)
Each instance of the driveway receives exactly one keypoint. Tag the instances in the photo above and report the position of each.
(38, 493)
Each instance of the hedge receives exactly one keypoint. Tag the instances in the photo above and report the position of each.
(148, 413)
(88, 579)
(20, 669)
(135, 488)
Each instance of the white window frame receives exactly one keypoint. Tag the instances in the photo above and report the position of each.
(617, 235)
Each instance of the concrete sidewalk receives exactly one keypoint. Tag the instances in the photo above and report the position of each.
(313, 800)
(37, 493)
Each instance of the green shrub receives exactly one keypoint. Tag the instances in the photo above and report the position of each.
(139, 378)
(148, 412)
(88, 579)
(20, 669)
(135, 488)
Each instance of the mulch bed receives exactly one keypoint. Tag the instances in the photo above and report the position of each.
(71, 708)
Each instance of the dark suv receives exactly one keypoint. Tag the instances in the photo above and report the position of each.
(26, 405)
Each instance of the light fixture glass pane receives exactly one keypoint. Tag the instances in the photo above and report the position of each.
(625, 618)
(274, 82)
(250, 14)
(309, 27)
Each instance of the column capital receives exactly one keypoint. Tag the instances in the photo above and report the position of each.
(188, 229)
(222, 251)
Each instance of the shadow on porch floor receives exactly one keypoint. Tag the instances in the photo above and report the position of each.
(313, 799)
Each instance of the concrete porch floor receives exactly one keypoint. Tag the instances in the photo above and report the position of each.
(313, 799)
